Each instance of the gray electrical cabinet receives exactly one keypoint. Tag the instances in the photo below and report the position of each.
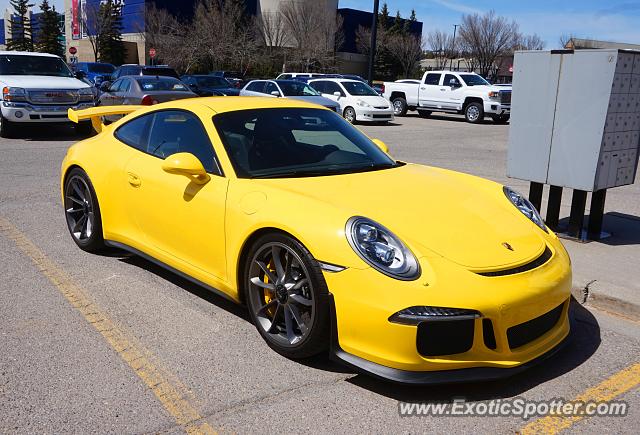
(575, 118)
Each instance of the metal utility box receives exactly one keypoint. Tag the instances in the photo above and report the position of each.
(575, 118)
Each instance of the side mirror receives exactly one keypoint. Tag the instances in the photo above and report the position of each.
(104, 86)
(383, 146)
(337, 94)
(186, 164)
(275, 93)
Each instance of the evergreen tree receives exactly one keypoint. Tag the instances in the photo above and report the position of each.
(383, 16)
(397, 24)
(110, 38)
(408, 23)
(49, 36)
(20, 27)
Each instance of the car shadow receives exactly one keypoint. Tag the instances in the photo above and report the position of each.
(624, 229)
(582, 343)
(48, 132)
(450, 117)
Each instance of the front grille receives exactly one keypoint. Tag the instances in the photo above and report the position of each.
(526, 332)
(542, 259)
(488, 335)
(53, 96)
(444, 337)
(505, 97)
(381, 116)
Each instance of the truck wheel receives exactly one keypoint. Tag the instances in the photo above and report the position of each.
(399, 106)
(424, 113)
(474, 113)
(500, 119)
(7, 128)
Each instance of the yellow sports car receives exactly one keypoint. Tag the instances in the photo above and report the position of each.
(410, 273)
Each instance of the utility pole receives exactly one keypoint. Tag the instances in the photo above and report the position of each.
(374, 35)
(453, 42)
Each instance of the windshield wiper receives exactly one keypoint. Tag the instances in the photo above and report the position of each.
(333, 171)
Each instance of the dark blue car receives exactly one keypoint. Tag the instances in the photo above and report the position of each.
(209, 85)
(95, 72)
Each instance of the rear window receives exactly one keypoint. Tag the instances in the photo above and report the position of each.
(168, 72)
(161, 84)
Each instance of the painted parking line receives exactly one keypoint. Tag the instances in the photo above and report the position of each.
(169, 391)
(612, 387)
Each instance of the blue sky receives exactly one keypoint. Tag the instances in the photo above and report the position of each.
(609, 20)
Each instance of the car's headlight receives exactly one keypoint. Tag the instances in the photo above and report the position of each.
(525, 207)
(381, 249)
(363, 103)
(87, 94)
(14, 94)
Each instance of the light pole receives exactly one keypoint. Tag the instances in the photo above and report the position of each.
(374, 34)
(453, 42)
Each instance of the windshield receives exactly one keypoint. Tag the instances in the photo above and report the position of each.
(213, 82)
(473, 80)
(101, 68)
(297, 89)
(161, 84)
(359, 89)
(33, 65)
(296, 142)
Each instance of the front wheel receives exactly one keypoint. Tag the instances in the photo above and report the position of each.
(474, 113)
(82, 211)
(287, 296)
(399, 106)
(350, 114)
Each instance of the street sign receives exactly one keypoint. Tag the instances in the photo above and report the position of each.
(73, 50)
(152, 53)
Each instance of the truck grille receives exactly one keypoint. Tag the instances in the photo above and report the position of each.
(53, 96)
(505, 97)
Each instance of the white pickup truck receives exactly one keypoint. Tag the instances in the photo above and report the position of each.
(39, 88)
(453, 92)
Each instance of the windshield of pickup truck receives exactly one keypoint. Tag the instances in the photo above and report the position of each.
(359, 89)
(17, 65)
(473, 80)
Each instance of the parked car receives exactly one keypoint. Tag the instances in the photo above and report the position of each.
(145, 91)
(292, 75)
(39, 88)
(452, 92)
(288, 89)
(207, 85)
(235, 78)
(95, 72)
(358, 101)
(143, 70)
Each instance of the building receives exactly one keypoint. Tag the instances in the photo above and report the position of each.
(5, 32)
(580, 44)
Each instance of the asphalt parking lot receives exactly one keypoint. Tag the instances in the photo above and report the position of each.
(111, 343)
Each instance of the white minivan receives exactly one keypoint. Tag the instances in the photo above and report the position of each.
(358, 101)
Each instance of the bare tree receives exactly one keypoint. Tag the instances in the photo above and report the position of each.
(487, 37)
(406, 49)
(529, 42)
(273, 29)
(443, 47)
(93, 25)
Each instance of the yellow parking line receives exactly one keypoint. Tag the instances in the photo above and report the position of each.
(612, 387)
(171, 394)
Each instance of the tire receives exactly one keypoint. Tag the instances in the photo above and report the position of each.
(474, 113)
(349, 114)
(300, 295)
(7, 128)
(82, 211)
(399, 106)
(424, 113)
(84, 129)
(500, 119)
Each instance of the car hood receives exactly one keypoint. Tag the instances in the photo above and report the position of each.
(457, 216)
(373, 100)
(322, 101)
(490, 88)
(43, 82)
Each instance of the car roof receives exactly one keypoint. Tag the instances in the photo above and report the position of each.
(28, 53)
(442, 71)
(333, 79)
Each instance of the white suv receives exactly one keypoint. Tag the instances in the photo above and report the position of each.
(38, 88)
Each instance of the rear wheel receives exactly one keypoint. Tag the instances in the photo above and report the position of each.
(474, 113)
(399, 106)
(424, 113)
(7, 128)
(83, 211)
(350, 114)
(287, 296)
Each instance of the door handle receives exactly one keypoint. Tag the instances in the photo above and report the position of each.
(134, 180)
(442, 90)
(422, 88)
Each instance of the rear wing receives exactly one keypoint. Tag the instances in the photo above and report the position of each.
(95, 114)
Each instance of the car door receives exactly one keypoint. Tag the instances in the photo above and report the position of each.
(122, 91)
(182, 222)
(254, 89)
(429, 93)
(453, 92)
(108, 98)
(272, 87)
(329, 91)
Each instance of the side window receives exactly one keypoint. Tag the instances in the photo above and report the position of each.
(177, 131)
(334, 87)
(135, 132)
(125, 85)
(115, 85)
(256, 87)
(318, 86)
(451, 80)
(270, 88)
(432, 79)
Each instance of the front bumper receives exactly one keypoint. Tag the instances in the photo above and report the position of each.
(27, 112)
(497, 108)
(374, 115)
(366, 339)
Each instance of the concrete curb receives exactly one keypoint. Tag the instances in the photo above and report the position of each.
(606, 303)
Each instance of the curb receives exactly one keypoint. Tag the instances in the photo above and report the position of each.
(608, 304)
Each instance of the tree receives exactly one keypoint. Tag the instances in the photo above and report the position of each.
(20, 27)
(442, 46)
(406, 49)
(50, 34)
(529, 42)
(109, 40)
